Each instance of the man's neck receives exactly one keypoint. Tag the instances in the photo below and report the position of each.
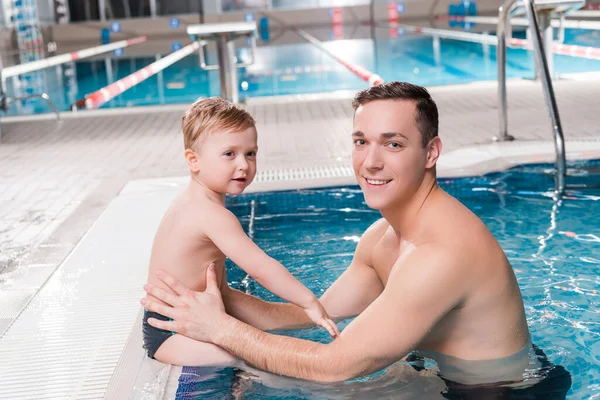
(404, 217)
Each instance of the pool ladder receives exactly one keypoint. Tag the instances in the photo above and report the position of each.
(507, 10)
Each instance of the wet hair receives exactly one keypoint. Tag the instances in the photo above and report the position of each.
(210, 115)
(426, 115)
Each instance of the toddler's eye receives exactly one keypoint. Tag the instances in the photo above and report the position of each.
(229, 154)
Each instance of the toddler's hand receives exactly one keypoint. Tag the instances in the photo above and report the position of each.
(319, 316)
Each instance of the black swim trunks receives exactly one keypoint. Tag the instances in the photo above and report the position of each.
(553, 383)
(153, 337)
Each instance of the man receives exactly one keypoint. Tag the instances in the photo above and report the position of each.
(428, 276)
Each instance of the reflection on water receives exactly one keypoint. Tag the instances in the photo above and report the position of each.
(403, 380)
(400, 381)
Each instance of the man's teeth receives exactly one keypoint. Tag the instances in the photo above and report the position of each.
(377, 182)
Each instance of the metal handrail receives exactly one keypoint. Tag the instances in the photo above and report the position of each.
(561, 22)
(559, 139)
(501, 34)
(208, 67)
(5, 102)
(224, 35)
(504, 12)
(44, 96)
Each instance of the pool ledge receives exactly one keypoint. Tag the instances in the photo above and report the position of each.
(468, 161)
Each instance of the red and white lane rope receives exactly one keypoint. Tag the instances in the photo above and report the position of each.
(101, 96)
(64, 58)
(592, 53)
(372, 78)
(568, 23)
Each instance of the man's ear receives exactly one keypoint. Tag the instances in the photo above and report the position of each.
(192, 160)
(434, 149)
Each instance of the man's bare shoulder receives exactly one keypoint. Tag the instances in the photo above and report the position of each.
(369, 239)
(449, 223)
(430, 264)
(375, 232)
(456, 237)
(435, 256)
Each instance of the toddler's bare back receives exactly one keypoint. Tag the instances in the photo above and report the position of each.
(181, 247)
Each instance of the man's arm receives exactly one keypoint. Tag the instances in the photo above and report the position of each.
(421, 290)
(347, 297)
(360, 284)
(262, 314)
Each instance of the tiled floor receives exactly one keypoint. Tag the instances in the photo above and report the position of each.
(57, 177)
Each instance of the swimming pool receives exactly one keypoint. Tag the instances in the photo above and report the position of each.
(292, 68)
(553, 246)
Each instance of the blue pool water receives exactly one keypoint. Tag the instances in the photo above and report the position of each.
(554, 248)
(294, 68)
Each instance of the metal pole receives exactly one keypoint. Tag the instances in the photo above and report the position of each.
(109, 70)
(559, 140)
(153, 8)
(545, 25)
(102, 9)
(126, 8)
(437, 53)
(548, 40)
(3, 105)
(87, 11)
(503, 13)
(536, 69)
(161, 82)
(73, 87)
(201, 12)
(486, 49)
(233, 76)
(2, 86)
(227, 68)
(3, 101)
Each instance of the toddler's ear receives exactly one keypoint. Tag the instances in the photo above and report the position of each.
(192, 160)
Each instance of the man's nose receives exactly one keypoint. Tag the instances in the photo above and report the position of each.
(373, 160)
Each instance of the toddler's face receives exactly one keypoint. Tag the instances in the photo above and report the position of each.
(227, 160)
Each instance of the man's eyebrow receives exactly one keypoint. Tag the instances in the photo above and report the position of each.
(389, 135)
(386, 135)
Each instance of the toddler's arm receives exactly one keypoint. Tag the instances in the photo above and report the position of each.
(225, 231)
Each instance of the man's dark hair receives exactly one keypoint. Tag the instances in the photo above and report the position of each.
(426, 116)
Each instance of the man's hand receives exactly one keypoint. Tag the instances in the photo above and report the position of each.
(196, 315)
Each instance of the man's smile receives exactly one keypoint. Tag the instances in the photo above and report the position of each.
(377, 182)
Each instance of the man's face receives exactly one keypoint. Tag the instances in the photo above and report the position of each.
(388, 155)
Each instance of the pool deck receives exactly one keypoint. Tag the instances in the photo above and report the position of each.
(61, 178)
